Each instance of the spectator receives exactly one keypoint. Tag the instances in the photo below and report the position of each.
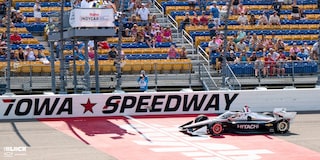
(37, 11)
(77, 53)
(280, 61)
(212, 29)
(84, 4)
(76, 4)
(143, 81)
(112, 53)
(252, 20)
(269, 45)
(192, 5)
(15, 38)
(231, 58)
(215, 13)
(295, 12)
(173, 52)
(3, 36)
(273, 39)
(140, 36)
(231, 45)
(4, 22)
(167, 34)
(154, 22)
(103, 45)
(204, 19)
(235, 4)
(241, 34)
(20, 54)
(213, 46)
(183, 53)
(295, 48)
(149, 39)
(274, 19)
(29, 54)
(158, 37)
(253, 56)
(242, 8)
(274, 54)
(305, 51)
(270, 65)
(263, 19)
(280, 45)
(253, 42)
(259, 67)
(195, 20)
(41, 57)
(134, 31)
(185, 21)
(91, 53)
(219, 61)
(277, 5)
(242, 57)
(315, 48)
(144, 14)
(242, 19)
(202, 5)
(241, 46)
(293, 57)
(18, 17)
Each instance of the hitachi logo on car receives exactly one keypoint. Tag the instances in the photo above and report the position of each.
(248, 126)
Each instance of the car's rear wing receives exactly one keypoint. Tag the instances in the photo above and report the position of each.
(281, 113)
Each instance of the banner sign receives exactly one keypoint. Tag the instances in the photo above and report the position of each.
(157, 103)
(91, 17)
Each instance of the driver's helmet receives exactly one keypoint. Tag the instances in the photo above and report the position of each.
(246, 109)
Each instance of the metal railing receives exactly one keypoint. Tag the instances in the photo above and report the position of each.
(159, 7)
(231, 79)
(173, 23)
(206, 79)
(186, 36)
(204, 56)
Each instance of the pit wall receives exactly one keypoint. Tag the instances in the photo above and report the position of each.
(155, 103)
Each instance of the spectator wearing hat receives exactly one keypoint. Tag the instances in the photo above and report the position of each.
(231, 58)
(243, 19)
(269, 64)
(215, 13)
(15, 38)
(263, 19)
(29, 54)
(253, 57)
(144, 12)
(167, 34)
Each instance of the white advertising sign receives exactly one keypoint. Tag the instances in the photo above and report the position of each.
(158, 103)
(91, 17)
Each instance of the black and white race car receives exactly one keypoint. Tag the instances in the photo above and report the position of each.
(245, 122)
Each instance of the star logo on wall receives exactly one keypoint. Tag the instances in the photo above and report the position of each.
(88, 106)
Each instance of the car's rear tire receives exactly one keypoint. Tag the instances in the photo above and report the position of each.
(283, 126)
(200, 118)
(215, 129)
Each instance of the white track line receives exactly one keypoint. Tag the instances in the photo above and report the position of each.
(179, 139)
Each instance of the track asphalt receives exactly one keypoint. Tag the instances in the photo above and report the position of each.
(149, 138)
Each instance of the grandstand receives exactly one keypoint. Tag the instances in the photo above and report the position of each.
(165, 74)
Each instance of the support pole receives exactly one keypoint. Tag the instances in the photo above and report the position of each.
(61, 56)
(96, 66)
(224, 62)
(119, 48)
(8, 51)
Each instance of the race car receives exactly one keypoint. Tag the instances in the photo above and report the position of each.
(245, 122)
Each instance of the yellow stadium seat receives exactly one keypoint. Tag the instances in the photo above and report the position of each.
(146, 65)
(127, 67)
(136, 66)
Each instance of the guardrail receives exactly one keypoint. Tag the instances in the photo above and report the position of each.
(204, 55)
(173, 23)
(206, 78)
(232, 80)
(159, 7)
(186, 36)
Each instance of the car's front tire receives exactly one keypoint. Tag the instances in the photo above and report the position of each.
(215, 129)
